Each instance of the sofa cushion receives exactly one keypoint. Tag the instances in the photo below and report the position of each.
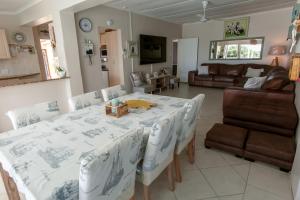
(272, 145)
(227, 135)
(203, 70)
(251, 72)
(228, 79)
(203, 78)
(138, 78)
(234, 70)
(277, 79)
(255, 82)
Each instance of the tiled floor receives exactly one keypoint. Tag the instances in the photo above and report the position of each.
(216, 175)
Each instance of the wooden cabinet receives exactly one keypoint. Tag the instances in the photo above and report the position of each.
(4, 48)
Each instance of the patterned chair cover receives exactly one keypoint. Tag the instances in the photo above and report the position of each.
(189, 122)
(30, 115)
(159, 151)
(112, 93)
(85, 100)
(110, 174)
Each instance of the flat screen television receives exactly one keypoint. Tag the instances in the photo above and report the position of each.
(153, 49)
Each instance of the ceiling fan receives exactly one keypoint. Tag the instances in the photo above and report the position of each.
(203, 17)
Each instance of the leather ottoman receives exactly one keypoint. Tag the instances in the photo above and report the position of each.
(228, 138)
(271, 148)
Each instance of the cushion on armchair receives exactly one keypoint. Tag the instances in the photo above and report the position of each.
(138, 79)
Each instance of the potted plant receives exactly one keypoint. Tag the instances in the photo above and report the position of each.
(60, 71)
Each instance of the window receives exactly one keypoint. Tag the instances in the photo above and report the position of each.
(244, 49)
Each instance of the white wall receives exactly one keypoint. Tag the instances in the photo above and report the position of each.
(13, 97)
(23, 62)
(141, 25)
(273, 25)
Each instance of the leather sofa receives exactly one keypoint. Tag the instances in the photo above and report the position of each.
(224, 75)
(268, 114)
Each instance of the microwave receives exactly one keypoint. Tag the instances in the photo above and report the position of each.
(103, 52)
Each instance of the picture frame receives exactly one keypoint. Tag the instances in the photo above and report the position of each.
(132, 47)
(236, 28)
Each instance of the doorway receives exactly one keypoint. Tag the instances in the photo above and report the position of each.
(111, 55)
(46, 51)
(175, 58)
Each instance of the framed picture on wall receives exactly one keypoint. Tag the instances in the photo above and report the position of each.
(236, 28)
(133, 50)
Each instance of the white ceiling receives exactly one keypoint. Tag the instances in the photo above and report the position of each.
(15, 6)
(185, 11)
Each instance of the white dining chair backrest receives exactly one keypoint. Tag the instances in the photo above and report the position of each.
(110, 174)
(189, 122)
(22, 117)
(112, 93)
(85, 100)
(160, 149)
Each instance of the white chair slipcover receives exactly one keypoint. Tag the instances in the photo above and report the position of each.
(110, 174)
(159, 151)
(22, 117)
(112, 93)
(85, 100)
(189, 123)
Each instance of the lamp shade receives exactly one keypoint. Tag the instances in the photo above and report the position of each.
(277, 50)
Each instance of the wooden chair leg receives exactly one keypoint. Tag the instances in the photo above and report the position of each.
(170, 177)
(10, 186)
(177, 168)
(146, 193)
(192, 149)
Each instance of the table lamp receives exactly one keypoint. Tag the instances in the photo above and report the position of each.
(295, 68)
(279, 50)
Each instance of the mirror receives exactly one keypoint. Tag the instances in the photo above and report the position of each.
(239, 49)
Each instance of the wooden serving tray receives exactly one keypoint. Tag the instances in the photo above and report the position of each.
(121, 110)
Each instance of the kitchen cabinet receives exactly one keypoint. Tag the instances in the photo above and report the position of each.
(4, 48)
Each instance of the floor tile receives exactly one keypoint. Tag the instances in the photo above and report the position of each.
(3, 196)
(200, 142)
(224, 180)
(242, 170)
(193, 187)
(234, 197)
(207, 158)
(270, 179)
(185, 164)
(159, 189)
(232, 159)
(254, 193)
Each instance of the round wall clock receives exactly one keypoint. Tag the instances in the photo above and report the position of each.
(19, 37)
(85, 25)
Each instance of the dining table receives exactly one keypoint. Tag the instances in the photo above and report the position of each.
(43, 159)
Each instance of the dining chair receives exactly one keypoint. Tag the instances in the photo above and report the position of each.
(22, 117)
(85, 100)
(158, 154)
(112, 93)
(187, 132)
(110, 174)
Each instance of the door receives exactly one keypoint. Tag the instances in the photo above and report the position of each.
(187, 57)
(4, 49)
(114, 59)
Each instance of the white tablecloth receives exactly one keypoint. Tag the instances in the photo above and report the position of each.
(44, 158)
